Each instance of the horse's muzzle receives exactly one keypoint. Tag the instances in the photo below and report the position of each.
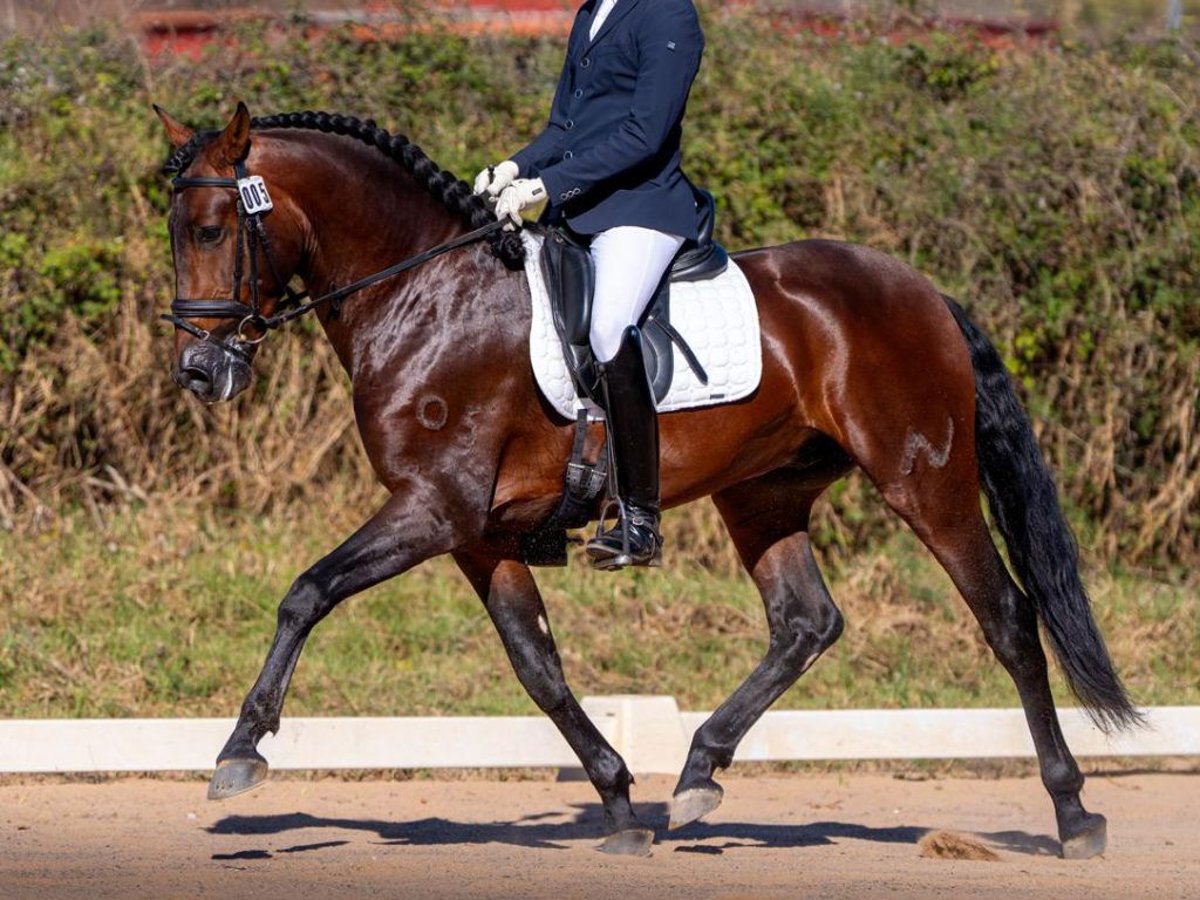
(211, 373)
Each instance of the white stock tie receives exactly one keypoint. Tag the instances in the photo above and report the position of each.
(601, 14)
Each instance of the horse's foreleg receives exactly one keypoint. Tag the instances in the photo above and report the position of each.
(400, 535)
(766, 519)
(512, 599)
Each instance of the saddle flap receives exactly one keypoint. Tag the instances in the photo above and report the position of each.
(570, 276)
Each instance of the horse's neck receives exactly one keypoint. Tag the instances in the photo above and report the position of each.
(364, 213)
(361, 225)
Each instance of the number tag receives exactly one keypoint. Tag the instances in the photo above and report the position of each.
(254, 195)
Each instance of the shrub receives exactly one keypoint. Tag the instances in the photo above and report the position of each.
(1053, 188)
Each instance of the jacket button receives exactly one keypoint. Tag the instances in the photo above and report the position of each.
(578, 93)
(569, 124)
(584, 63)
(567, 154)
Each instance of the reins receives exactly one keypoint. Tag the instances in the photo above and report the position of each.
(253, 201)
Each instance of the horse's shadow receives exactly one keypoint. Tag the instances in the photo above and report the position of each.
(548, 831)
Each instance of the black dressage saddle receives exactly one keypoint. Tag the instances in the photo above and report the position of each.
(570, 280)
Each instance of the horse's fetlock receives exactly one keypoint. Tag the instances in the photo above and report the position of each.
(1063, 779)
(610, 774)
(716, 755)
(261, 714)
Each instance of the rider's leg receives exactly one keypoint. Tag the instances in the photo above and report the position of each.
(630, 262)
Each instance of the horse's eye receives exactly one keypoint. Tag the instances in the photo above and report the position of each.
(209, 234)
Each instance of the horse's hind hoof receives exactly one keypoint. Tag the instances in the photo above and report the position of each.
(693, 804)
(236, 776)
(630, 842)
(1088, 841)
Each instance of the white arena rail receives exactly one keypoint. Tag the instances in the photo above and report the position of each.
(650, 732)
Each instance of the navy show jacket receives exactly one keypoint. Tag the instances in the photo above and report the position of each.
(610, 153)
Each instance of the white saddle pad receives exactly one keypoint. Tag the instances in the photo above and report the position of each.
(717, 318)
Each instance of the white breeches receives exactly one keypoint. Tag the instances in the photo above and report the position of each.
(630, 262)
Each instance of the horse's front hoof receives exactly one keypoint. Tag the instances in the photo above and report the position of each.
(236, 776)
(1088, 840)
(630, 842)
(692, 804)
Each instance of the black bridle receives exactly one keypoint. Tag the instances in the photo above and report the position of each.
(253, 203)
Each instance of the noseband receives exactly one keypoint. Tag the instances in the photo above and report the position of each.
(253, 202)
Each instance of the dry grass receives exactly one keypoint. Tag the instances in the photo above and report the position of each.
(168, 610)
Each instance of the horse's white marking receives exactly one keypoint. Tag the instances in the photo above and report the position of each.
(916, 444)
(543, 624)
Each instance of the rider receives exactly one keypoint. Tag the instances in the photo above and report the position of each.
(608, 163)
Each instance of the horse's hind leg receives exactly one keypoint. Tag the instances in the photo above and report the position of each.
(512, 599)
(767, 519)
(943, 508)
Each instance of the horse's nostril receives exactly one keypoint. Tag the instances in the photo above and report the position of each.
(194, 379)
(193, 373)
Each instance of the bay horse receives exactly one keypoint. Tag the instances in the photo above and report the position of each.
(865, 365)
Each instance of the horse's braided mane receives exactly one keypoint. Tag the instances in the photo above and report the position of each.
(453, 193)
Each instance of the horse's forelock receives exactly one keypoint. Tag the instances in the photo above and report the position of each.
(184, 156)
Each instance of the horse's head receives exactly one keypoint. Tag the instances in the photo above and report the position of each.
(233, 255)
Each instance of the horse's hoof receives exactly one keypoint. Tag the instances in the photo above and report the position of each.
(236, 776)
(630, 842)
(693, 804)
(1088, 841)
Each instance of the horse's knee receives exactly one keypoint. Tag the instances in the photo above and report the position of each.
(831, 626)
(304, 604)
(799, 641)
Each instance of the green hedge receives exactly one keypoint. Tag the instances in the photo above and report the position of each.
(1052, 188)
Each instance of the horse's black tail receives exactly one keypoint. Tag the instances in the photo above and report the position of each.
(1042, 550)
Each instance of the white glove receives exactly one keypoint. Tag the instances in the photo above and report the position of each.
(494, 179)
(521, 194)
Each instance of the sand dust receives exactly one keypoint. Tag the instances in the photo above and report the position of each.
(948, 845)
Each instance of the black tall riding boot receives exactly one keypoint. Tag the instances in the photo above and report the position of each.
(633, 441)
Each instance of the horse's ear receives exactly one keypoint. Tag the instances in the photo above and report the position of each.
(233, 143)
(177, 133)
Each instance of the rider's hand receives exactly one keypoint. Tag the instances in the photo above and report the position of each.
(495, 179)
(521, 194)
